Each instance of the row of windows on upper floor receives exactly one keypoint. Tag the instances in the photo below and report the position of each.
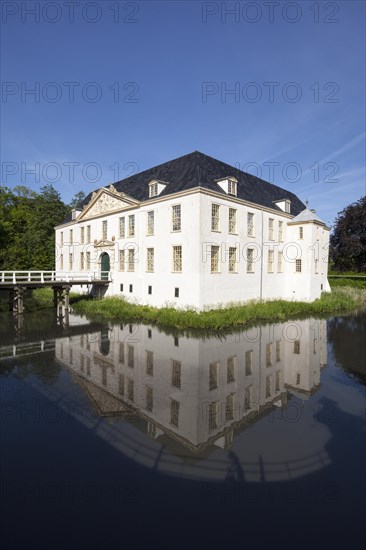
(127, 260)
(176, 225)
(176, 377)
(126, 385)
(213, 367)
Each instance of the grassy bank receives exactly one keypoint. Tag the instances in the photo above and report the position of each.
(354, 281)
(118, 309)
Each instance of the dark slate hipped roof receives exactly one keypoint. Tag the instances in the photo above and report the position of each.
(199, 170)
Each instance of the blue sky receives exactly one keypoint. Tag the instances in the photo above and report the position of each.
(151, 82)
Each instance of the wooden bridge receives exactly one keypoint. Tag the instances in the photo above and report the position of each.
(16, 282)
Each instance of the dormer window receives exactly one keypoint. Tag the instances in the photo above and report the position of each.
(156, 187)
(153, 189)
(229, 185)
(284, 204)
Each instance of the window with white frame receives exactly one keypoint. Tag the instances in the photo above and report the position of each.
(229, 409)
(62, 262)
(177, 258)
(149, 398)
(62, 238)
(280, 231)
(278, 380)
(88, 233)
(176, 373)
(71, 236)
(174, 412)
(213, 410)
(298, 266)
(122, 259)
(153, 189)
(215, 259)
(250, 224)
(70, 260)
(131, 225)
(278, 351)
(122, 227)
(250, 260)
(248, 397)
(149, 363)
(176, 218)
(121, 354)
(215, 217)
(130, 356)
(271, 229)
(248, 362)
(230, 370)
(232, 260)
(232, 220)
(270, 261)
(268, 385)
(104, 229)
(150, 223)
(131, 259)
(150, 260)
(287, 206)
(130, 389)
(280, 261)
(82, 235)
(269, 354)
(213, 376)
(81, 260)
(88, 260)
(232, 187)
(316, 266)
(301, 232)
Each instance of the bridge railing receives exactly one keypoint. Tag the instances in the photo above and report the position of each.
(15, 277)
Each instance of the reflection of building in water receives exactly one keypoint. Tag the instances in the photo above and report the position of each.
(197, 392)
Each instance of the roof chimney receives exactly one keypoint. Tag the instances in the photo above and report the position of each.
(75, 212)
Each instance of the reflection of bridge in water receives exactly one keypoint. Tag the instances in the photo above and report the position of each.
(187, 407)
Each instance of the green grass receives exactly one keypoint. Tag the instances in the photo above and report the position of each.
(347, 282)
(235, 315)
(332, 272)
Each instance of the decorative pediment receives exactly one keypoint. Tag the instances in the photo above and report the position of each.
(105, 201)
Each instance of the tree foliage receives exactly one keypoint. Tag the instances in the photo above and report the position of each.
(78, 199)
(27, 221)
(348, 240)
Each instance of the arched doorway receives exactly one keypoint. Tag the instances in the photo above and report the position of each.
(105, 266)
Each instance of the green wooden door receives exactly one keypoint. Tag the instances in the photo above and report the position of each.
(105, 266)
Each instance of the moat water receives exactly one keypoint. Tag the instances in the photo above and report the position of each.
(126, 436)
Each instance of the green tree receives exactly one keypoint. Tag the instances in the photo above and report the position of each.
(77, 199)
(348, 240)
(27, 221)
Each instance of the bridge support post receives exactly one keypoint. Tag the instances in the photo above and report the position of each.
(16, 300)
(55, 297)
(61, 300)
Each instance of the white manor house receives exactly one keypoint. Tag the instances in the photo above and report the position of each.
(196, 232)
